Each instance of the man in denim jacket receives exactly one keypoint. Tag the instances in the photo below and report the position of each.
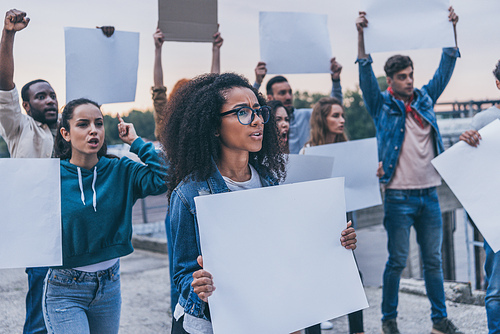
(408, 139)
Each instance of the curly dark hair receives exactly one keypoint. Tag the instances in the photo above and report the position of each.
(496, 71)
(62, 148)
(189, 134)
(395, 64)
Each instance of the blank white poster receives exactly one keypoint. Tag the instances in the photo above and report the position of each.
(395, 25)
(472, 175)
(30, 202)
(294, 42)
(272, 251)
(301, 168)
(357, 161)
(100, 68)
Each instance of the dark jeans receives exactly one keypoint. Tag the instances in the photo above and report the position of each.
(492, 268)
(34, 323)
(177, 326)
(402, 210)
(174, 294)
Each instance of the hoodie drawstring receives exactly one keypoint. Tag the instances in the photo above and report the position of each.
(94, 199)
(80, 183)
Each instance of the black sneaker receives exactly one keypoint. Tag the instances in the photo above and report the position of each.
(445, 326)
(390, 327)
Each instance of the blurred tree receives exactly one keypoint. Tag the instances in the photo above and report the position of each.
(111, 129)
(305, 100)
(143, 122)
(359, 123)
(382, 82)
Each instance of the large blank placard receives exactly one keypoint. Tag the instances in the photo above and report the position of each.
(294, 42)
(357, 161)
(30, 204)
(395, 25)
(274, 252)
(301, 168)
(188, 20)
(103, 69)
(472, 175)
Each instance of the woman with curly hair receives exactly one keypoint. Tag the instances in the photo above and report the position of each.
(282, 122)
(220, 137)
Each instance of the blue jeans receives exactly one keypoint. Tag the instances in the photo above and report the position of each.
(174, 294)
(418, 208)
(492, 269)
(34, 323)
(80, 303)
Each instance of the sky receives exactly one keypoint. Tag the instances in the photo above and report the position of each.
(39, 49)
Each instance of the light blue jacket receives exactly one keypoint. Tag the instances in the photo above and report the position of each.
(186, 238)
(389, 113)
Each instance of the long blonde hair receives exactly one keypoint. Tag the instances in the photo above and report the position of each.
(319, 129)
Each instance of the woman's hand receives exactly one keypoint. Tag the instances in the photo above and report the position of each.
(471, 137)
(348, 238)
(203, 284)
(126, 131)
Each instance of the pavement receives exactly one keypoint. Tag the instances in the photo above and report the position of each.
(145, 294)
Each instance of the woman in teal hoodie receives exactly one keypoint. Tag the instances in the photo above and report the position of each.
(97, 196)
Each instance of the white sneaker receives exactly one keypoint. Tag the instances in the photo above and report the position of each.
(326, 325)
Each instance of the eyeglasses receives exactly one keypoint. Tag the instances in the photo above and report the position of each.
(246, 115)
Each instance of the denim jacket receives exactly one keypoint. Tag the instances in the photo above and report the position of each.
(185, 235)
(389, 113)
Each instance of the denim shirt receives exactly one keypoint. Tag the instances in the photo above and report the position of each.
(186, 238)
(389, 113)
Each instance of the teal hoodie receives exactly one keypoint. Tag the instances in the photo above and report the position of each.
(96, 206)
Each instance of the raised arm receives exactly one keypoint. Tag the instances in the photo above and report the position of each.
(335, 69)
(159, 91)
(443, 74)
(15, 20)
(361, 23)
(453, 18)
(158, 70)
(260, 73)
(367, 81)
(216, 45)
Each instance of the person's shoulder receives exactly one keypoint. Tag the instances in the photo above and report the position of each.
(485, 117)
(190, 187)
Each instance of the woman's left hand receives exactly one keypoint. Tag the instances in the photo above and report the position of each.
(348, 238)
(203, 284)
(126, 131)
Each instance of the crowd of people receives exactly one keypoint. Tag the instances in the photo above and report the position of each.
(220, 134)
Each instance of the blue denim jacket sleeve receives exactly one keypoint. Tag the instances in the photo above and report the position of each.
(438, 83)
(186, 247)
(369, 86)
(337, 91)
